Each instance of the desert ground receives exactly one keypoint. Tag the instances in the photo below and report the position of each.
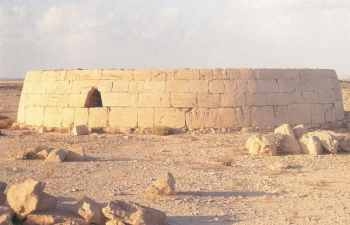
(218, 183)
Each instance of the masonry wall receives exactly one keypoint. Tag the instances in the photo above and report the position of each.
(192, 98)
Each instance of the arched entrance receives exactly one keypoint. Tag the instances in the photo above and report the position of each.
(93, 99)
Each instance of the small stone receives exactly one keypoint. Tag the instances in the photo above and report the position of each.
(162, 186)
(57, 155)
(133, 213)
(80, 130)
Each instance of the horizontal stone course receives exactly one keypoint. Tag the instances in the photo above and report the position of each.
(192, 98)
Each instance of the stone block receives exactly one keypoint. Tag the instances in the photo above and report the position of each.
(119, 99)
(67, 117)
(154, 86)
(84, 74)
(183, 100)
(104, 86)
(209, 100)
(143, 74)
(300, 113)
(216, 86)
(262, 116)
(98, 117)
(123, 117)
(136, 86)
(220, 74)
(236, 86)
(76, 100)
(174, 118)
(186, 74)
(81, 116)
(145, 117)
(241, 74)
(274, 74)
(329, 112)
(153, 100)
(80, 130)
(117, 74)
(339, 110)
(188, 86)
(34, 116)
(34, 75)
(286, 85)
(121, 86)
(205, 74)
(263, 86)
(233, 99)
(53, 117)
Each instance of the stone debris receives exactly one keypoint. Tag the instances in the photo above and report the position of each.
(121, 212)
(80, 130)
(328, 141)
(76, 154)
(259, 144)
(311, 145)
(344, 143)
(289, 143)
(28, 197)
(90, 211)
(300, 130)
(164, 185)
(57, 155)
(6, 215)
(39, 219)
(5, 122)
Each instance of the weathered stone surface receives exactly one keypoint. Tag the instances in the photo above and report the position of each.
(57, 155)
(133, 214)
(164, 185)
(328, 141)
(39, 219)
(90, 211)
(75, 154)
(80, 130)
(311, 145)
(289, 143)
(6, 215)
(29, 196)
(344, 143)
(264, 144)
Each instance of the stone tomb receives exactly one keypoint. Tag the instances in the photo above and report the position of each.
(184, 98)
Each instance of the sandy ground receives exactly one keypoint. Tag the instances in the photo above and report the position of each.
(217, 182)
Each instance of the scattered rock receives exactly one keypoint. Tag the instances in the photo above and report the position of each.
(57, 155)
(6, 215)
(328, 141)
(75, 154)
(3, 186)
(115, 222)
(32, 153)
(133, 214)
(299, 130)
(80, 130)
(5, 122)
(164, 185)
(27, 197)
(289, 143)
(2, 195)
(90, 211)
(37, 219)
(310, 145)
(264, 144)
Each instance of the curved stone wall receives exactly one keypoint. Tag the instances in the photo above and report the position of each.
(191, 98)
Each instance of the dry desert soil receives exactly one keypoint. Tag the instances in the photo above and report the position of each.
(218, 183)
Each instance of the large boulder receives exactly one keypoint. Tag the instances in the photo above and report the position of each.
(6, 215)
(28, 197)
(90, 211)
(328, 141)
(289, 143)
(164, 185)
(259, 144)
(311, 145)
(75, 154)
(119, 212)
(344, 143)
(300, 130)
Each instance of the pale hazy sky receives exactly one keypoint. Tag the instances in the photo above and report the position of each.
(38, 34)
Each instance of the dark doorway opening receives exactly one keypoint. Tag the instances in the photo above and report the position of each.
(93, 99)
